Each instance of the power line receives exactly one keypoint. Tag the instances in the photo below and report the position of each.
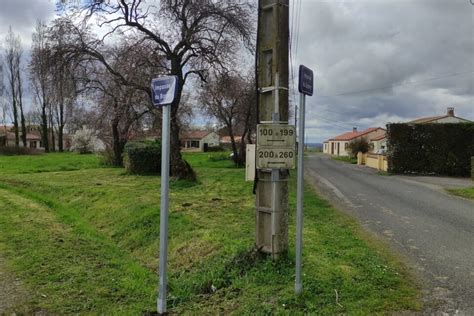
(369, 91)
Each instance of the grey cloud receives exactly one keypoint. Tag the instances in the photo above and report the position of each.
(360, 45)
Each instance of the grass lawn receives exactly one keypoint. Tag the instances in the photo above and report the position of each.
(466, 192)
(84, 239)
(345, 159)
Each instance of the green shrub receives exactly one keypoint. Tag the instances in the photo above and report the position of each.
(219, 157)
(215, 149)
(13, 151)
(107, 157)
(143, 157)
(442, 149)
(357, 145)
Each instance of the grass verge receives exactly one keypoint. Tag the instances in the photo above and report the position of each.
(464, 192)
(85, 241)
(345, 159)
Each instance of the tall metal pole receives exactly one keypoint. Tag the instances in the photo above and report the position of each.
(165, 173)
(272, 69)
(299, 195)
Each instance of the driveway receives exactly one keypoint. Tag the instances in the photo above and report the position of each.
(431, 229)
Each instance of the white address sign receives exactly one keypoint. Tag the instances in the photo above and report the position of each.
(276, 135)
(275, 158)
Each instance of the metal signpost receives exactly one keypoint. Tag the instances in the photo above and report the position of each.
(163, 92)
(305, 87)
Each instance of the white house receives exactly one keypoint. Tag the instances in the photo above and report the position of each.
(199, 140)
(339, 145)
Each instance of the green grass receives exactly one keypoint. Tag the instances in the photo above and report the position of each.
(465, 192)
(345, 159)
(84, 240)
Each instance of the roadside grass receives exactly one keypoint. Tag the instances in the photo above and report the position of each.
(86, 241)
(464, 192)
(345, 159)
(47, 163)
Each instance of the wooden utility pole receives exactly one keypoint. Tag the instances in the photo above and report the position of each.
(272, 68)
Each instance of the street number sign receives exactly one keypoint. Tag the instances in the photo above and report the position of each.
(276, 135)
(163, 90)
(276, 146)
(305, 82)
(275, 158)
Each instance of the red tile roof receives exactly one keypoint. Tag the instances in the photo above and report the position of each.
(434, 118)
(195, 134)
(352, 135)
(379, 137)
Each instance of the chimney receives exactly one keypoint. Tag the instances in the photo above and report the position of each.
(450, 111)
(354, 130)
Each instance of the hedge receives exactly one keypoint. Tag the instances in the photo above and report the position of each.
(472, 168)
(437, 149)
(143, 157)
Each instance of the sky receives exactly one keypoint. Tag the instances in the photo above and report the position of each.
(375, 61)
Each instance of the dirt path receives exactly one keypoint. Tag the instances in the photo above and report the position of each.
(12, 295)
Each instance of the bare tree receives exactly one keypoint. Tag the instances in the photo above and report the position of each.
(41, 79)
(63, 82)
(12, 51)
(228, 98)
(194, 36)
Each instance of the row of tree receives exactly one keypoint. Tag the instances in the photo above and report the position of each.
(197, 41)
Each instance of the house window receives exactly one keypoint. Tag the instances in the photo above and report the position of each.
(346, 145)
(33, 144)
(192, 144)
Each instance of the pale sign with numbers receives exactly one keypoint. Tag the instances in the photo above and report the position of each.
(275, 146)
(276, 135)
(275, 158)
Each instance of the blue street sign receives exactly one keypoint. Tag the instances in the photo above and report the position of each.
(163, 90)
(305, 84)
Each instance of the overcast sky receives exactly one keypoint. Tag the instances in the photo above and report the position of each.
(422, 49)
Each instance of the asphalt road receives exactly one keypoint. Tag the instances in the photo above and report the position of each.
(432, 230)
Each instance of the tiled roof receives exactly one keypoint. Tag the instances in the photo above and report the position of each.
(195, 134)
(352, 135)
(434, 118)
(226, 139)
(428, 119)
(379, 137)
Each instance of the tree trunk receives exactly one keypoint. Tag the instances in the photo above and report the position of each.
(44, 128)
(117, 146)
(14, 105)
(20, 105)
(235, 156)
(61, 128)
(180, 169)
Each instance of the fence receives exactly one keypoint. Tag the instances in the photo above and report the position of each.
(375, 161)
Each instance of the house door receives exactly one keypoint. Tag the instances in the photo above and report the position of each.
(206, 147)
(332, 148)
(338, 146)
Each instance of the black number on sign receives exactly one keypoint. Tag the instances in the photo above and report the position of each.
(266, 132)
(286, 132)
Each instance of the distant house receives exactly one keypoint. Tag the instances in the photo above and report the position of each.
(199, 140)
(7, 138)
(378, 144)
(33, 138)
(449, 117)
(339, 145)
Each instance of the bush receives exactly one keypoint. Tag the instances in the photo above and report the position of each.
(85, 141)
(442, 149)
(215, 149)
(143, 157)
(13, 151)
(358, 145)
(107, 157)
(219, 157)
